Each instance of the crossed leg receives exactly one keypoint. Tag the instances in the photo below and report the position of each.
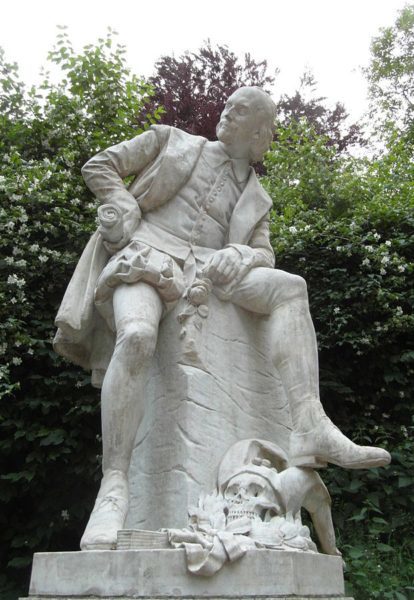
(138, 310)
(315, 440)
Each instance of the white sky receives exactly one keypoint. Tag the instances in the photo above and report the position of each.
(332, 37)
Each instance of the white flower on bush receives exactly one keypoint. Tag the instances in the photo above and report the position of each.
(385, 259)
(293, 229)
(377, 236)
(370, 248)
(15, 280)
(34, 247)
(16, 360)
(388, 243)
(3, 348)
(306, 228)
(399, 311)
(401, 268)
(43, 258)
(366, 262)
(339, 248)
(383, 271)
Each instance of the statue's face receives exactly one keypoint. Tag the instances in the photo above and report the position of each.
(240, 120)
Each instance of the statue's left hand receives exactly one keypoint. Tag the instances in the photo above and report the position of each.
(224, 266)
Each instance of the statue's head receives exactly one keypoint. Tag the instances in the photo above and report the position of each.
(246, 123)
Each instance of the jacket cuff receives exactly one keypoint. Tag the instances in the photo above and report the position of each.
(253, 257)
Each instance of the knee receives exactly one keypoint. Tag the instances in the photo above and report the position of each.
(286, 287)
(136, 341)
(297, 286)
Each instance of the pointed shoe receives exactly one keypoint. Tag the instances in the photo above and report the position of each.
(327, 444)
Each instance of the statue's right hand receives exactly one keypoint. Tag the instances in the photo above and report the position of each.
(117, 227)
(111, 223)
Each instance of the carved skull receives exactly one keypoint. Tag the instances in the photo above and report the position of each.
(250, 495)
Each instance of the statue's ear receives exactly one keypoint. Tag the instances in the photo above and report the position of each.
(244, 452)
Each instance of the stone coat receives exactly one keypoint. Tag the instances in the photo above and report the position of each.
(83, 336)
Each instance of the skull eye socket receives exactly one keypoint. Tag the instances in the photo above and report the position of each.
(232, 490)
(255, 490)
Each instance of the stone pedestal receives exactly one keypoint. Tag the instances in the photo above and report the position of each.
(206, 390)
(150, 574)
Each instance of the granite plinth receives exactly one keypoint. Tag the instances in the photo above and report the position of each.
(163, 574)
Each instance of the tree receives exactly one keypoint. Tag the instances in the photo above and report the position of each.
(391, 72)
(194, 87)
(49, 414)
(330, 124)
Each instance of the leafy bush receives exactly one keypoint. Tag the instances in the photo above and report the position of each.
(49, 412)
(347, 226)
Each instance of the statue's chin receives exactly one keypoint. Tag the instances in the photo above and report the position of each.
(224, 134)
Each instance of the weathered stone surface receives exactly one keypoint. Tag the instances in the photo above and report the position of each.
(215, 386)
(192, 598)
(163, 573)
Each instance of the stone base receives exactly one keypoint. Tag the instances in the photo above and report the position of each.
(150, 574)
(192, 598)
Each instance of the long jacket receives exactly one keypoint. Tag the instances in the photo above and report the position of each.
(83, 337)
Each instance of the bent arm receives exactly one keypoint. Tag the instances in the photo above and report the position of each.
(104, 175)
(259, 251)
(105, 172)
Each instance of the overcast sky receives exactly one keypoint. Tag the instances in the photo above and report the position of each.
(332, 37)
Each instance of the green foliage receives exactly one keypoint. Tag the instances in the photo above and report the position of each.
(49, 413)
(347, 226)
(390, 73)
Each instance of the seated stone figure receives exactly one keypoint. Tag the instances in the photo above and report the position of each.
(195, 207)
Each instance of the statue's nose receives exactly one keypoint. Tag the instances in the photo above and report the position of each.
(228, 113)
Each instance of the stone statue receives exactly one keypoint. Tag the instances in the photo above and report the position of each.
(194, 210)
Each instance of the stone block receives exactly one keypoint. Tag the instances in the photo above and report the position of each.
(205, 391)
(163, 574)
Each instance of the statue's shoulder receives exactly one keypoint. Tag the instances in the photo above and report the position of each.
(166, 133)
